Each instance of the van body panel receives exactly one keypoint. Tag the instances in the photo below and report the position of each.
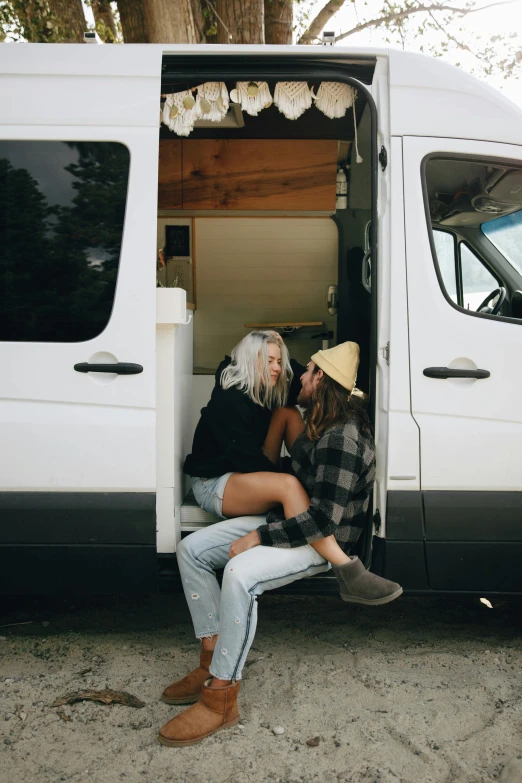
(429, 97)
(53, 84)
(479, 567)
(67, 430)
(473, 516)
(87, 436)
(85, 569)
(78, 518)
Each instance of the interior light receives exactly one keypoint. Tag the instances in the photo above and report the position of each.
(490, 206)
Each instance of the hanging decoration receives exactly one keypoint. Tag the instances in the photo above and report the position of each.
(252, 97)
(180, 111)
(333, 99)
(292, 98)
(212, 101)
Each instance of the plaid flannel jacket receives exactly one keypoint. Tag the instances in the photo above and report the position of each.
(338, 472)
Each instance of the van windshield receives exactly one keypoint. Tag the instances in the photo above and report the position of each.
(506, 234)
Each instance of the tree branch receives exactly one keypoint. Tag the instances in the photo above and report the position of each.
(417, 9)
(322, 18)
(448, 35)
(325, 14)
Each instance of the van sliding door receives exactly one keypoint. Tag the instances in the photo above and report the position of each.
(78, 161)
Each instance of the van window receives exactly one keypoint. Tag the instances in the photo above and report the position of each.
(506, 234)
(445, 247)
(465, 199)
(477, 281)
(62, 209)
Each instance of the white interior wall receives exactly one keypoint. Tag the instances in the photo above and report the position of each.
(260, 270)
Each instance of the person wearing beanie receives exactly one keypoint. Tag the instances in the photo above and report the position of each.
(334, 460)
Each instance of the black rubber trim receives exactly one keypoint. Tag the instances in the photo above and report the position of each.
(180, 69)
(476, 566)
(78, 518)
(77, 570)
(404, 516)
(405, 564)
(473, 516)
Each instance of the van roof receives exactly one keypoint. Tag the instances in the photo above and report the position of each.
(427, 97)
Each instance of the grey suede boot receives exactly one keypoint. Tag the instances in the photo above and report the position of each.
(359, 586)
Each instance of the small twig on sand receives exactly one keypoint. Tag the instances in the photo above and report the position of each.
(10, 625)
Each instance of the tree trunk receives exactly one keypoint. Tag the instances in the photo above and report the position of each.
(69, 17)
(279, 19)
(240, 21)
(104, 19)
(133, 23)
(170, 22)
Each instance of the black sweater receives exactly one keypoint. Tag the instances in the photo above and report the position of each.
(232, 429)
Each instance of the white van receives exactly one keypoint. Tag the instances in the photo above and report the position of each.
(107, 356)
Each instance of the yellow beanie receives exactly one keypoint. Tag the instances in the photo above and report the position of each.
(340, 363)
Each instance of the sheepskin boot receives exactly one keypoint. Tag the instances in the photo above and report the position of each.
(216, 709)
(187, 690)
(359, 586)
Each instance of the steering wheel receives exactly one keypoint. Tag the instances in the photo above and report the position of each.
(501, 292)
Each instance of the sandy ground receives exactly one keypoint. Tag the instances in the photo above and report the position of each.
(420, 691)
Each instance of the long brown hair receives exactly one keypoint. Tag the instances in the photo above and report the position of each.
(332, 404)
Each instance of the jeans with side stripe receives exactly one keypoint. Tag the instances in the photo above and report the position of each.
(232, 611)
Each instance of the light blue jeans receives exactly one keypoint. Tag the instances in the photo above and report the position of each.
(232, 611)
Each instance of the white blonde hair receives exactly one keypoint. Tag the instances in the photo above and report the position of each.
(250, 372)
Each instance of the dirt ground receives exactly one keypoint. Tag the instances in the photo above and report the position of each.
(420, 691)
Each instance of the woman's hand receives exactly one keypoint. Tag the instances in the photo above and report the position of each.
(245, 542)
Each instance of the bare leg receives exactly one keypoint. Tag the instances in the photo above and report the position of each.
(285, 425)
(257, 493)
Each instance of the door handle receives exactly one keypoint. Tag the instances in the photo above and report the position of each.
(120, 368)
(367, 267)
(448, 372)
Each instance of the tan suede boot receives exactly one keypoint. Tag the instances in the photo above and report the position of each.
(359, 586)
(217, 709)
(187, 690)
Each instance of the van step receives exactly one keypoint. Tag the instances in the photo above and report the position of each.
(193, 517)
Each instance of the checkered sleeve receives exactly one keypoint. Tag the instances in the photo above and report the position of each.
(338, 465)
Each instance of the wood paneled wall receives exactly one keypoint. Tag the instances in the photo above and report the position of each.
(265, 174)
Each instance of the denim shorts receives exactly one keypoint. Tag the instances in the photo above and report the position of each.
(209, 493)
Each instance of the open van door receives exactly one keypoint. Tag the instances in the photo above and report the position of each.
(78, 188)
(466, 378)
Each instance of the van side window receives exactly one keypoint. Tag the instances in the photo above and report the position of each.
(477, 281)
(463, 196)
(445, 247)
(62, 209)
